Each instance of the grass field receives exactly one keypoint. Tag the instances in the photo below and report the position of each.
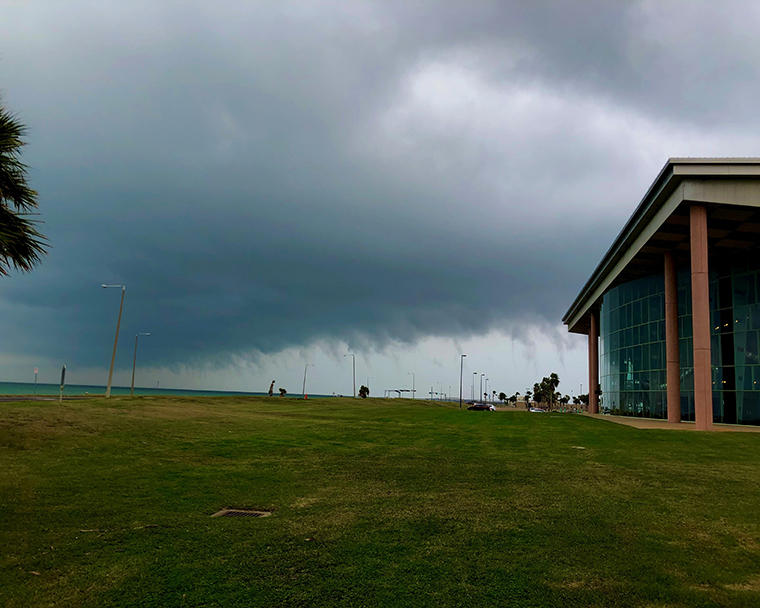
(375, 503)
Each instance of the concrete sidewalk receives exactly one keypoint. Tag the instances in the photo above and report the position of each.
(649, 423)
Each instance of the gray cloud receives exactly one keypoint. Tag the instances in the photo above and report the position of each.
(264, 177)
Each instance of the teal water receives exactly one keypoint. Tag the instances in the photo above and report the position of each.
(28, 388)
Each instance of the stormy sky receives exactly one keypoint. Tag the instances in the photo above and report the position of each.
(280, 183)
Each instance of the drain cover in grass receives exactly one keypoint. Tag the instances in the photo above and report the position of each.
(241, 513)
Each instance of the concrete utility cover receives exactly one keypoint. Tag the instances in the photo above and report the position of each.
(241, 513)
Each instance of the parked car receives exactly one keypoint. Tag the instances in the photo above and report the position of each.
(481, 407)
(537, 410)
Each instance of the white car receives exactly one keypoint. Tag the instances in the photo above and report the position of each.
(537, 410)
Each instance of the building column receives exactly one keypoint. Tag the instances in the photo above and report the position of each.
(672, 358)
(593, 364)
(700, 315)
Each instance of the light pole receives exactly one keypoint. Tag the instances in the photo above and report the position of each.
(481, 384)
(134, 362)
(116, 341)
(353, 357)
(461, 371)
(303, 390)
(473, 385)
(414, 380)
(486, 393)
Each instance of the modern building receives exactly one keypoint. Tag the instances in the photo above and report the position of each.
(672, 312)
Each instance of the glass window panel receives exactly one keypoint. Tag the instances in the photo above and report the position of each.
(654, 312)
(715, 351)
(652, 332)
(741, 318)
(744, 289)
(687, 380)
(637, 360)
(645, 310)
(748, 407)
(717, 378)
(754, 313)
(750, 348)
(628, 337)
(657, 355)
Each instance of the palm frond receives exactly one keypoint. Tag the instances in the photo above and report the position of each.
(21, 244)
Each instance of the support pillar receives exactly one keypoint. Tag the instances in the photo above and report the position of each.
(700, 315)
(593, 364)
(673, 359)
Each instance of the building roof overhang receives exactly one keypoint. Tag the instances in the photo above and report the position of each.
(730, 187)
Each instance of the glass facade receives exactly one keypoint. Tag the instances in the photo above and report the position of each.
(632, 343)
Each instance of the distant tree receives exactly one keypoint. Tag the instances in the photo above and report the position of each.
(21, 245)
(583, 399)
(283, 392)
(364, 391)
(564, 400)
(493, 396)
(502, 397)
(528, 396)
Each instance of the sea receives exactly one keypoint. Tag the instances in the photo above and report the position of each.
(29, 388)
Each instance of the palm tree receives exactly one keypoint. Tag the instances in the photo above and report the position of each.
(21, 245)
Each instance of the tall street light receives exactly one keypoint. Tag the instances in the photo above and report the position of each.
(303, 390)
(481, 384)
(353, 357)
(116, 341)
(461, 371)
(134, 362)
(414, 379)
(486, 393)
(473, 385)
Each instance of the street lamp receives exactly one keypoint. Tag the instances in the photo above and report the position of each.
(473, 385)
(303, 390)
(353, 357)
(116, 341)
(413, 382)
(134, 362)
(461, 371)
(486, 393)
(481, 384)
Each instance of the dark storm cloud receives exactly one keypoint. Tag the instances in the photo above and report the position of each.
(263, 177)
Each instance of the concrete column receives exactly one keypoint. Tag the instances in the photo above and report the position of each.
(700, 314)
(593, 364)
(673, 360)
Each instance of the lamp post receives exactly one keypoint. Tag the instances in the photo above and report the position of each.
(303, 390)
(353, 357)
(473, 385)
(481, 384)
(414, 380)
(461, 371)
(134, 362)
(486, 393)
(116, 341)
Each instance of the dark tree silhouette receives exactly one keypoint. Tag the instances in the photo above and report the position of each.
(21, 245)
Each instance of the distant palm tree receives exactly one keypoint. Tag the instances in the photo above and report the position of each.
(21, 245)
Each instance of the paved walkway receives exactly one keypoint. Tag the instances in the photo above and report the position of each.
(649, 423)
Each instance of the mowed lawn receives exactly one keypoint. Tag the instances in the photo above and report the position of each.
(375, 503)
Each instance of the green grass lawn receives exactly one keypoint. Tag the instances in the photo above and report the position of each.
(375, 503)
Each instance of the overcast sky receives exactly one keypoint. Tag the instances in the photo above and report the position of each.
(280, 183)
